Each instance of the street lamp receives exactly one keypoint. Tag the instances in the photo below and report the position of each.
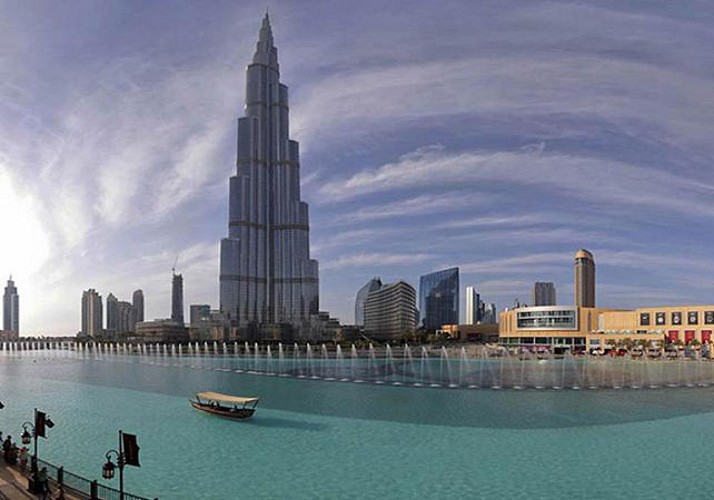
(108, 468)
(31, 431)
(128, 454)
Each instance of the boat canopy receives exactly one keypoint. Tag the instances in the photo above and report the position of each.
(225, 398)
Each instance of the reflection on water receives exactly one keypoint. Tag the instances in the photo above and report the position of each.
(286, 423)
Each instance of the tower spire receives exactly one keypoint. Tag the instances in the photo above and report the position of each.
(265, 51)
(266, 31)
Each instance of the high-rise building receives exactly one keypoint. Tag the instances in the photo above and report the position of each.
(266, 274)
(177, 299)
(584, 279)
(372, 285)
(439, 298)
(490, 315)
(125, 314)
(112, 315)
(137, 301)
(543, 294)
(11, 309)
(91, 313)
(473, 306)
(390, 311)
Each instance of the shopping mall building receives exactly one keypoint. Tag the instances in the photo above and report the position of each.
(590, 327)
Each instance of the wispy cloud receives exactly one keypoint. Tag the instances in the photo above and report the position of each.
(375, 260)
(497, 221)
(530, 263)
(555, 174)
(416, 206)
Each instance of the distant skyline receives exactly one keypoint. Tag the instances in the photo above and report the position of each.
(495, 136)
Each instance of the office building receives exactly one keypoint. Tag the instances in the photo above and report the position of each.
(112, 316)
(372, 285)
(584, 279)
(543, 294)
(199, 314)
(92, 314)
(137, 301)
(11, 309)
(177, 298)
(473, 306)
(439, 298)
(266, 274)
(125, 317)
(390, 311)
(490, 314)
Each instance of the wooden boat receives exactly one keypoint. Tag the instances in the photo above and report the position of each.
(223, 405)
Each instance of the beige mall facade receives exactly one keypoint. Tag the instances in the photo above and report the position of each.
(590, 327)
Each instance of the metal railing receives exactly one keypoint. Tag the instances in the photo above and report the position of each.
(86, 487)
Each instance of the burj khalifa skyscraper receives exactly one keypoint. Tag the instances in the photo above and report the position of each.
(266, 274)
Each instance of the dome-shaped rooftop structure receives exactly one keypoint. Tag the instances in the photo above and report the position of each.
(584, 254)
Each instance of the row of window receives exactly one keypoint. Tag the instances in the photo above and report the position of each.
(551, 319)
(660, 318)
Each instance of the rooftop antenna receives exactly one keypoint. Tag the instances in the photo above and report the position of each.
(173, 269)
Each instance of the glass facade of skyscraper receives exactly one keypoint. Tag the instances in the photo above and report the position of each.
(439, 298)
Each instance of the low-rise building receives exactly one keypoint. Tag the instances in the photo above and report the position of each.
(481, 332)
(161, 330)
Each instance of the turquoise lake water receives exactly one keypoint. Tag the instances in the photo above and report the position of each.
(318, 439)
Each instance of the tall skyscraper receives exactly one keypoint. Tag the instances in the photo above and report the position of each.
(439, 298)
(137, 301)
(584, 279)
(177, 299)
(11, 309)
(543, 294)
(267, 276)
(473, 308)
(372, 285)
(91, 313)
(112, 315)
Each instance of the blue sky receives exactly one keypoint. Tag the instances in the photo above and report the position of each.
(496, 136)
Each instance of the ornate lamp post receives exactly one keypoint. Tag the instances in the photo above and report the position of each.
(30, 432)
(128, 454)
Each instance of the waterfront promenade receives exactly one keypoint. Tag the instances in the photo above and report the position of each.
(13, 486)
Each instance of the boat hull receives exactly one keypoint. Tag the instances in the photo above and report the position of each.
(220, 411)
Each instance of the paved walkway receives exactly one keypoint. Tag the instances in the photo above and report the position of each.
(13, 486)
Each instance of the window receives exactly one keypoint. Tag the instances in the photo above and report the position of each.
(660, 318)
(644, 319)
(709, 317)
(693, 318)
(556, 319)
(676, 318)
